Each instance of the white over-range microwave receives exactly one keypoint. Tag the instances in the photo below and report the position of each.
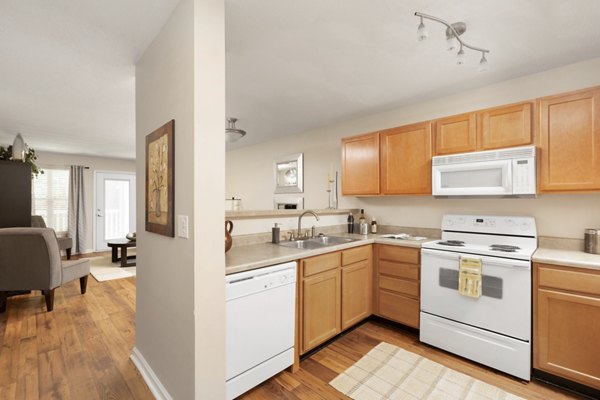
(507, 172)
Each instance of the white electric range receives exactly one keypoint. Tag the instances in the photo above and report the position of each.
(495, 328)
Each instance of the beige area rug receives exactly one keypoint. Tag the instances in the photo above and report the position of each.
(389, 372)
(102, 269)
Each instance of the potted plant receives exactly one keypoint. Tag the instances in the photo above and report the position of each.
(30, 157)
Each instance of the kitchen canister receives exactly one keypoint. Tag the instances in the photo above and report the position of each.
(592, 241)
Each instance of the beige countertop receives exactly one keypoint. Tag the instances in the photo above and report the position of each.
(246, 258)
(570, 258)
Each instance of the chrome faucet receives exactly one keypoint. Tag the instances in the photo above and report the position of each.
(300, 221)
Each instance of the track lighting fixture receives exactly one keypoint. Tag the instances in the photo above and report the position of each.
(453, 40)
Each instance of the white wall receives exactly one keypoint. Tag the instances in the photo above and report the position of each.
(59, 160)
(249, 170)
(180, 282)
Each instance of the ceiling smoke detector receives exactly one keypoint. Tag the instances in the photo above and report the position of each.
(233, 134)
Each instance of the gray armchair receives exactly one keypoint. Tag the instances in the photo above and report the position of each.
(64, 243)
(30, 260)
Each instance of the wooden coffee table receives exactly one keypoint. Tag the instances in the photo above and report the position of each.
(122, 244)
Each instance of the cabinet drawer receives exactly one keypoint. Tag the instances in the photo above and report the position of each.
(399, 308)
(405, 271)
(356, 254)
(575, 280)
(315, 265)
(399, 254)
(410, 288)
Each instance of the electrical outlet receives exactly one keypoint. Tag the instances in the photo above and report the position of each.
(182, 226)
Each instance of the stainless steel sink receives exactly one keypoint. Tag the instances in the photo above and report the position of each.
(301, 244)
(331, 240)
(318, 242)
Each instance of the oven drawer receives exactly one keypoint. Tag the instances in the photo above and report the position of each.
(409, 288)
(399, 308)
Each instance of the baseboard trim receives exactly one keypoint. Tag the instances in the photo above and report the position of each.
(154, 384)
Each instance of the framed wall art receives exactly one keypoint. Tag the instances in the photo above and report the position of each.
(160, 180)
(289, 173)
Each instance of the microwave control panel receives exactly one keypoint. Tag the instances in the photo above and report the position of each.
(523, 176)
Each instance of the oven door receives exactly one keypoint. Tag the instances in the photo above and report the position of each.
(504, 306)
(486, 178)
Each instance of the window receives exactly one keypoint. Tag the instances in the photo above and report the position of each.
(50, 193)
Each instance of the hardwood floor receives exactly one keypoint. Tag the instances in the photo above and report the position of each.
(81, 351)
(78, 351)
(311, 381)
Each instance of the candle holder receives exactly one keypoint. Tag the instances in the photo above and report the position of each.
(332, 193)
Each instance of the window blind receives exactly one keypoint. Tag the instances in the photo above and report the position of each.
(50, 192)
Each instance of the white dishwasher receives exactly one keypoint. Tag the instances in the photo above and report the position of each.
(259, 330)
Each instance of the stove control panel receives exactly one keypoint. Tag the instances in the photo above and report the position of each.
(520, 226)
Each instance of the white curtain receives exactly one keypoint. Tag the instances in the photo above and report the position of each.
(77, 219)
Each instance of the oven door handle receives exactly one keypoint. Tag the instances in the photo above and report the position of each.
(499, 262)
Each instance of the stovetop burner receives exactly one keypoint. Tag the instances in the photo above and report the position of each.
(505, 248)
(456, 243)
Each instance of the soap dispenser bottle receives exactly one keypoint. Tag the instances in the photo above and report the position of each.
(275, 233)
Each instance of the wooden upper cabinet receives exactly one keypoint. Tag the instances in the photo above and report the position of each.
(456, 134)
(505, 126)
(406, 159)
(569, 127)
(360, 165)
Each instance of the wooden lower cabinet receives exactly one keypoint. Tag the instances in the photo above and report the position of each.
(567, 323)
(335, 293)
(356, 293)
(321, 296)
(397, 272)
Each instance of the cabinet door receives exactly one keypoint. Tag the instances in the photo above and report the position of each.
(566, 336)
(455, 134)
(505, 126)
(406, 160)
(570, 141)
(321, 308)
(356, 293)
(360, 165)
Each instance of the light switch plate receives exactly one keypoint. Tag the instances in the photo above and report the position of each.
(182, 226)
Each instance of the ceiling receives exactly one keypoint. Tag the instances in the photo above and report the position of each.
(67, 72)
(293, 65)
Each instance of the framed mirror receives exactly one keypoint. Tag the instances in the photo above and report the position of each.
(289, 174)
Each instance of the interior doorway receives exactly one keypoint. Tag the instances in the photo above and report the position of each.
(114, 207)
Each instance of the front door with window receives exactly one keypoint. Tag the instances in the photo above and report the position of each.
(115, 207)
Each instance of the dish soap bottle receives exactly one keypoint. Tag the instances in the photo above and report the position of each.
(362, 221)
(275, 233)
(373, 225)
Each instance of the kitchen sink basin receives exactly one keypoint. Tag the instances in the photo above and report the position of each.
(301, 244)
(317, 243)
(331, 240)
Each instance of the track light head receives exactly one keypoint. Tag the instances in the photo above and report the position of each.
(460, 56)
(422, 31)
(483, 63)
